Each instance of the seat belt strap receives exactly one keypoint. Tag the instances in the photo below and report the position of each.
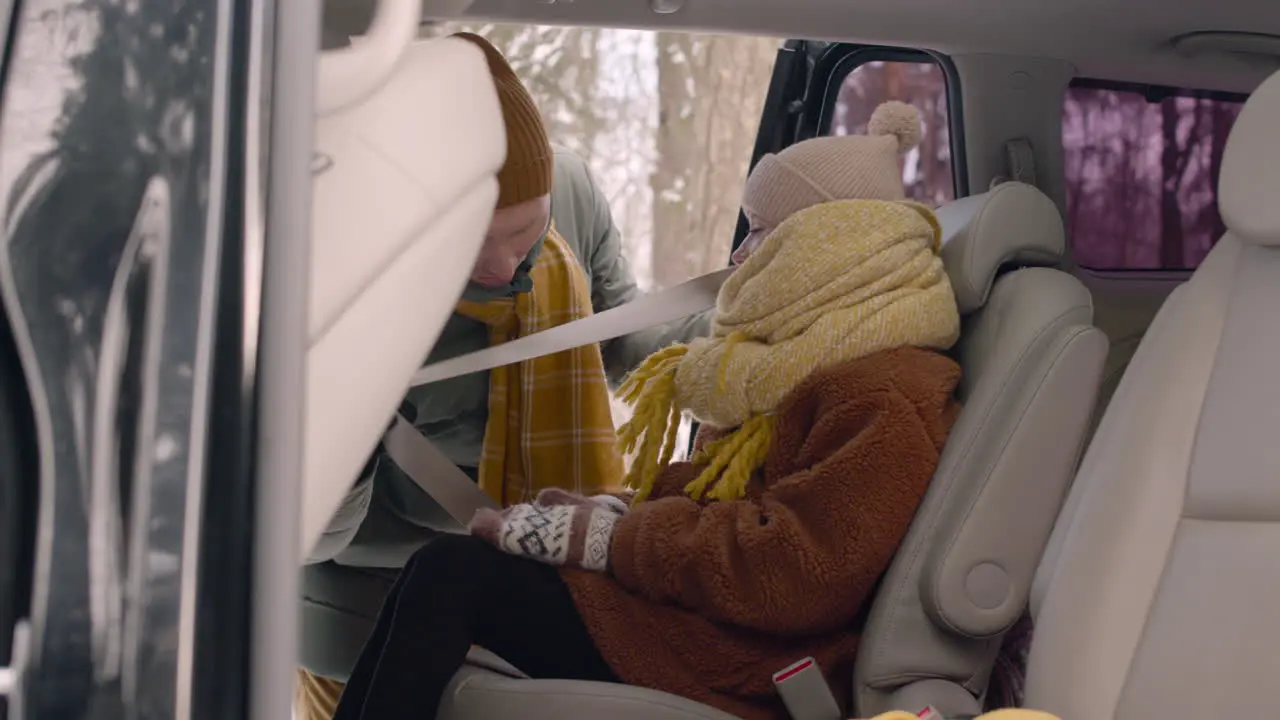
(453, 490)
(648, 311)
(1020, 161)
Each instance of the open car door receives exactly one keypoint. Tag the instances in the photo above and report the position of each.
(203, 374)
(127, 356)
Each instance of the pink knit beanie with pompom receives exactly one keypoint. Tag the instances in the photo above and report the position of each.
(848, 167)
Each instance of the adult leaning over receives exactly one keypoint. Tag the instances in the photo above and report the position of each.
(552, 255)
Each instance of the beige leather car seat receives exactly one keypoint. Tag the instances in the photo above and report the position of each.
(1157, 596)
(1032, 363)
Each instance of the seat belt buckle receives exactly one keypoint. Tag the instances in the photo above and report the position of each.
(930, 713)
(804, 692)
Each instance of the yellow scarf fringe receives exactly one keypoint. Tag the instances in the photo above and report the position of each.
(651, 391)
(730, 461)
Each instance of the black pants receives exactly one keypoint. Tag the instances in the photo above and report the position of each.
(458, 591)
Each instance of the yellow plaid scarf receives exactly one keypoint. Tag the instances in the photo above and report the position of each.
(550, 423)
(556, 408)
(834, 282)
(315, 697)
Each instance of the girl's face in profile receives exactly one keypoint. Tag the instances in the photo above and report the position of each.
(757, 231)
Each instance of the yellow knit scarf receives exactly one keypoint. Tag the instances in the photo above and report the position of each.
(550, 423)
(834, 282)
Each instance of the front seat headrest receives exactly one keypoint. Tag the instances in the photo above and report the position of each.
(1249, 183)
(1011, 223)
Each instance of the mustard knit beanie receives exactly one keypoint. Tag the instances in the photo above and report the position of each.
(848, 167)
(529, 169)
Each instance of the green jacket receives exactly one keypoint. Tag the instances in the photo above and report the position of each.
(386, 516)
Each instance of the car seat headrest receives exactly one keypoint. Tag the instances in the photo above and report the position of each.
(1250, 179)
(1011, 223)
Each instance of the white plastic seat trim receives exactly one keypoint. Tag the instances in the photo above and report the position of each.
(400, 211)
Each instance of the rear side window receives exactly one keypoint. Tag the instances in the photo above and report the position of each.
(1142, 166)
(914, 78)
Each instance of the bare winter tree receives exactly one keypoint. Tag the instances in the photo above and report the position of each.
(1141, 177)
(710, 95)
(674, 192)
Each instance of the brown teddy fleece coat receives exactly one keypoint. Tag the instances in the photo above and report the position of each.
(707, 601)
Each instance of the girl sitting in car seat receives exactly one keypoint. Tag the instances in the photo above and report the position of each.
(825, 401)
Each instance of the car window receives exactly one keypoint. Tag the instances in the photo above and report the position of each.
(913, 78)
(1142, 168)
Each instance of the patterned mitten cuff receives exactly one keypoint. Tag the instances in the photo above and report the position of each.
(619, 503)
(572, 534)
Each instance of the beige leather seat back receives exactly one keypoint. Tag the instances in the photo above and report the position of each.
(1158, 596)
(1032, 365)
(403, 195)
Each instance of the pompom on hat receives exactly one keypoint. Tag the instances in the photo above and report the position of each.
(898, 119)
(844, 167)
(529, 170)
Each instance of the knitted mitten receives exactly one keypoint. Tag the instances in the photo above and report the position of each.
(558, 528)
(619, 502)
